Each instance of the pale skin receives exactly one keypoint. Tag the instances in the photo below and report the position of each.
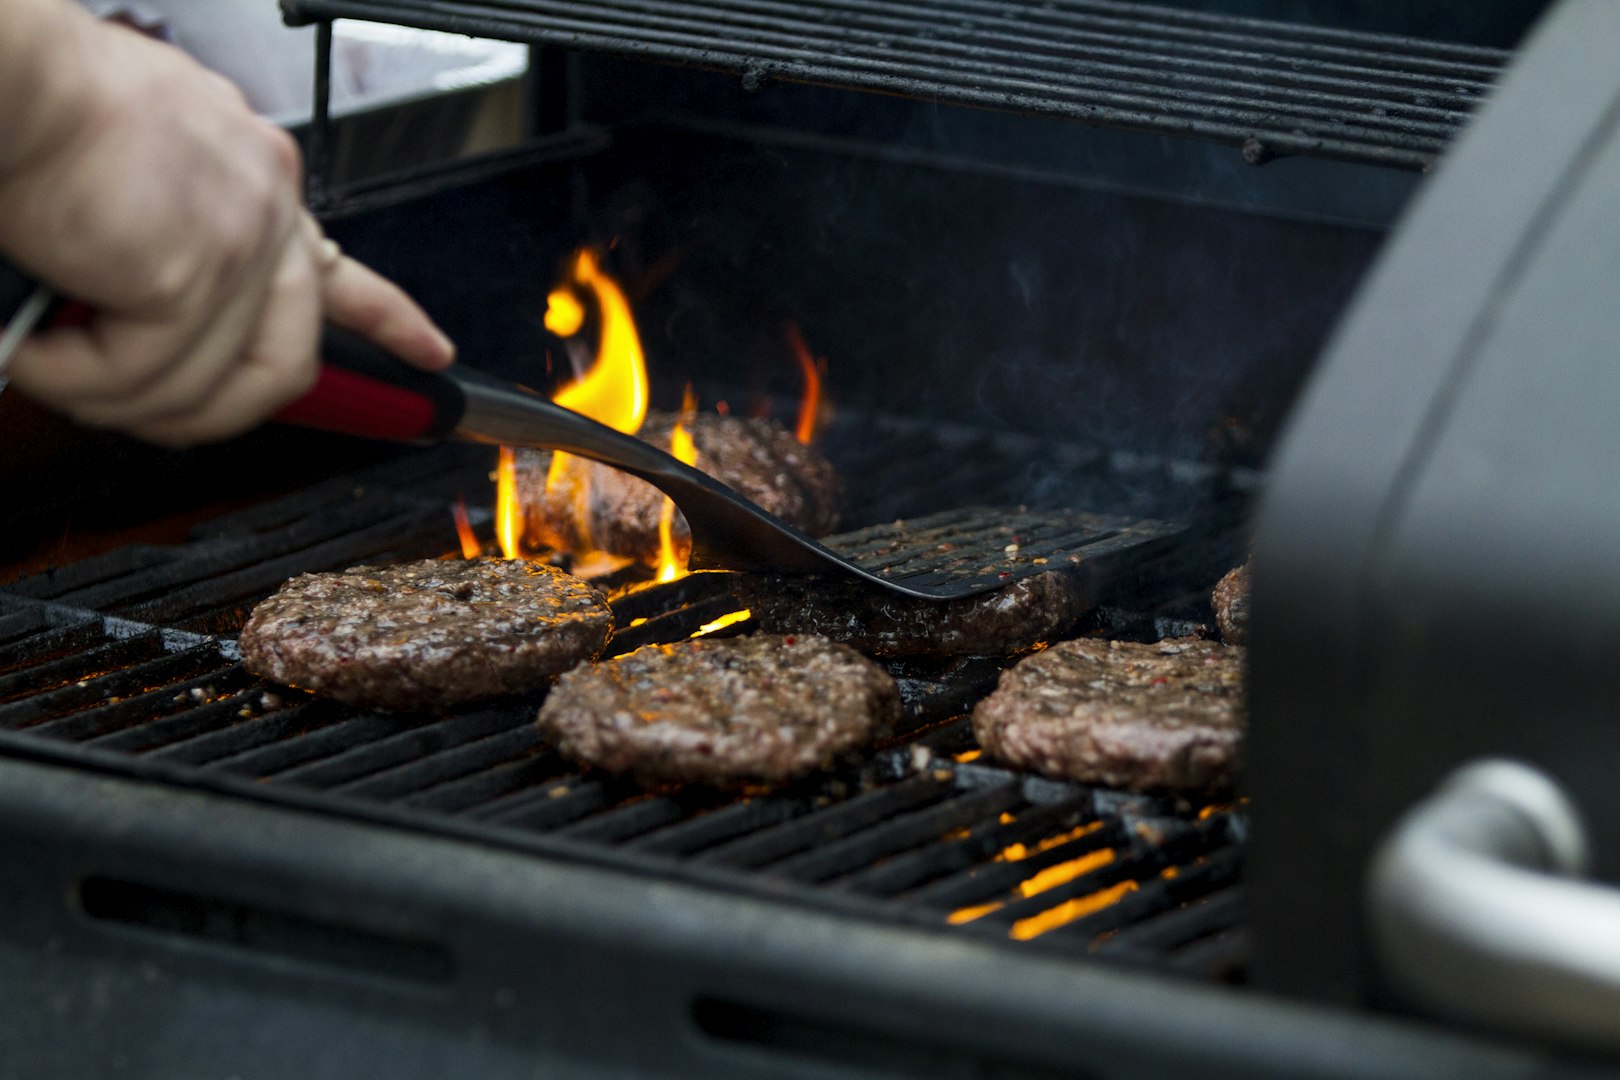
(140, 183)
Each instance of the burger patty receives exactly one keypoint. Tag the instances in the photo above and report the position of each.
(1231, 603)
(725, 712)
(1008, 620)
(1162, 717)
(756, 457)
(426, 634)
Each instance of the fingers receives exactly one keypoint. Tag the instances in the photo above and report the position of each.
(360, 299)
(256, 354)
(276, 364)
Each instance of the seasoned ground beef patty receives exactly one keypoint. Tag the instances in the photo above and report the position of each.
(1030, 610)
(724, 712)
(427, 634)
(756, 457)
(1231, 603)
(1162, 717)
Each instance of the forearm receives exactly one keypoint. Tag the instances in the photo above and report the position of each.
(47, 65)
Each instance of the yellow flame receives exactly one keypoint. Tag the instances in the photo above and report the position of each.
(672, 561)
(614, 390)
(730, 618)
(564, 313)
(508, 514)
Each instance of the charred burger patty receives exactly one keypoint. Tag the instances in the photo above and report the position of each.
(756, 457)
(724, 712)
(1161, 717)
(428, 634)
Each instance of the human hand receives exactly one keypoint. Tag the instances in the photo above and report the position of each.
(141, 184)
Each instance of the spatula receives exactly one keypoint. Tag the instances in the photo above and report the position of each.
(362, 390)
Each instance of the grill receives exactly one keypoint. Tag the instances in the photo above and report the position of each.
(124, 662)
(1098, 328)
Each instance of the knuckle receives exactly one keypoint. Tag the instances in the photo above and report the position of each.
(283, 150)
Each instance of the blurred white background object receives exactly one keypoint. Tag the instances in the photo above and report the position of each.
(374, 65)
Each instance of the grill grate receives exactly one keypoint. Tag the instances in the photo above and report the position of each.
(919, 831)
(1268, 87)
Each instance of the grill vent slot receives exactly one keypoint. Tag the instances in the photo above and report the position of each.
(256, 929)
(874, 1053)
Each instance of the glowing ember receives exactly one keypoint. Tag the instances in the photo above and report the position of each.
(470, 547)
(1070, 910)
(1050, 878)
(813, 367)
(730, 618)
(672, 561)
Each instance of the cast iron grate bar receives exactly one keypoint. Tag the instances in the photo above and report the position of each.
(896, 834)
(790, 837)
(553, 805)
(987, 840)
(1269, 87)
(642, 815)
(1219, 906)
(749, 815)
(212, 718)
(173, 682)
(74, 681)
(353, 761)
(279, 734)
(478, 758)
(1168, 908)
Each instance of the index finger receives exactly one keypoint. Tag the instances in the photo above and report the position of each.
(360, 299)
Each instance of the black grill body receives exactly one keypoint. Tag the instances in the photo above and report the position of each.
(1463, 603)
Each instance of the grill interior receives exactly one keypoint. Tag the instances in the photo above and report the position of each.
(125, 662)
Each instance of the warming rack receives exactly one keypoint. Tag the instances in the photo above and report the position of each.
(1268, 87)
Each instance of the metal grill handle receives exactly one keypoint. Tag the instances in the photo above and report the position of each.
(1474, 914)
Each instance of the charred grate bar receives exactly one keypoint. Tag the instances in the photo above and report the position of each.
(1269, 87)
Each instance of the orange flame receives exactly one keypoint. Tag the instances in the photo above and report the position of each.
(613, 390)
(470, 547)
(812, 367)
(671, 561)
(508, 514)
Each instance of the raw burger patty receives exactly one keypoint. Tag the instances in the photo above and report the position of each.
(756, 457)
(1231, 603)
(1161, 717)
(1029, 611)
(426, 634)
(724, 712)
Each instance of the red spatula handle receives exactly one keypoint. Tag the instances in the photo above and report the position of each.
(362, 389)
(365, 390)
